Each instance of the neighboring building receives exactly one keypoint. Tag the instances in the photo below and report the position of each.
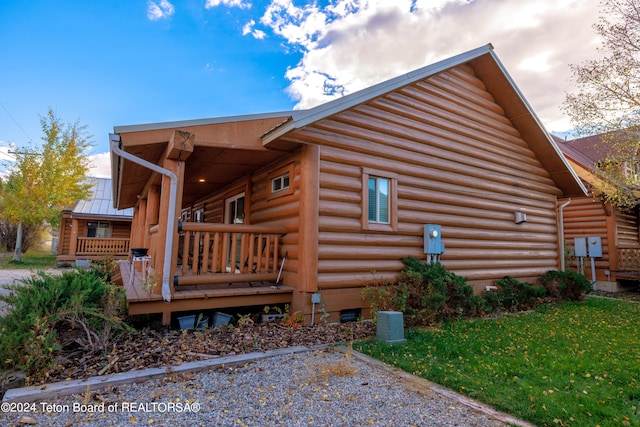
(615, 231)
(345, 190)
(93, 229)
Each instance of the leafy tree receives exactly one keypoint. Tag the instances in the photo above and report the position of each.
(607, 102)
(47, 179)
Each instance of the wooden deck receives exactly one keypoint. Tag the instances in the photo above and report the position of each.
(201, 296)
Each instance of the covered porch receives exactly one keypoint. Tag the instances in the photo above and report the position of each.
(218, 266)
(219, 258)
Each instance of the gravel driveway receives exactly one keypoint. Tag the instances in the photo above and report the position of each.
(310, 388)
(8, 277)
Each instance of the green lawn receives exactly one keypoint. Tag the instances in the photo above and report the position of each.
(34, 260)
(572, 364)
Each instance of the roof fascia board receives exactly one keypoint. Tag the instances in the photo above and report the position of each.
(101, 217)
(198, 122)
(348, 101)
(538, 123)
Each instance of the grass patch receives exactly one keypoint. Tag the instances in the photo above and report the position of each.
(575, 363)
(35, 260)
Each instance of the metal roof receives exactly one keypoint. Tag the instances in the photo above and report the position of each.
(100, 202)
(199, 122)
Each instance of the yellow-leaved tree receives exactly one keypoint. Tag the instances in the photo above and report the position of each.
(607, 102)
(48, 178)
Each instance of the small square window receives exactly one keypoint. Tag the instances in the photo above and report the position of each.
(280, 182)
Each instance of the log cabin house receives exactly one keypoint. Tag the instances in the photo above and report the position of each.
(327, 200)
(590, 216)
(93, 229)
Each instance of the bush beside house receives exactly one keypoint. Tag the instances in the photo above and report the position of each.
(428, 294)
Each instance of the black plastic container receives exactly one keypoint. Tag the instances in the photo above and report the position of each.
(139, 251)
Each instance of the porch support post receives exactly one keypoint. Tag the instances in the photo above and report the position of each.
(137, 233)
(140, 223)
(179, 148)
(177, 167)
(73, 242)
(151, 219)
(308, 225)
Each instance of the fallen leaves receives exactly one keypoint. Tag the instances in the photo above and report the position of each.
(148, 348)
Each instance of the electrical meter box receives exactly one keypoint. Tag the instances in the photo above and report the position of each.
(580, 245)
(595, 247)
(432, 243)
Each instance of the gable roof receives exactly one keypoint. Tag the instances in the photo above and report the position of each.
(586, 151)
(100, 202)
(257, 138)
(498, 82)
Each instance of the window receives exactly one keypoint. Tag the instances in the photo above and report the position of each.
(378, 208)
(235, 209)
(281, 181)
(98, 229)
(198, 215)
(379, 200)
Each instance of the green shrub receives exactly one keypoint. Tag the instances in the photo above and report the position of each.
(513, 295)
(565, 285)
(385, 296)
(436, 294)
(81, 303)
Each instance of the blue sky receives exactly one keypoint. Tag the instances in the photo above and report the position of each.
(123, 62)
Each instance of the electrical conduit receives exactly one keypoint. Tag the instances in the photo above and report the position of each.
(561, 226)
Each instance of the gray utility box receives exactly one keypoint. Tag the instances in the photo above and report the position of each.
(390, 327)
(588, 246)
(595, 247)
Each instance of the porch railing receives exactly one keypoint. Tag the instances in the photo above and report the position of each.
(628, 259)
(101, 246)
(226, 253)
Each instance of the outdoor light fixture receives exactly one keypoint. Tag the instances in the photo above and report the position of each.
(520, 217)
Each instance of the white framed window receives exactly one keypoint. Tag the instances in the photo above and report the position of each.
(280, 182)
(235, 209)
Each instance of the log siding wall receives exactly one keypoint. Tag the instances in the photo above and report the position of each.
(585, 217)
(627, 230)
(459, 163)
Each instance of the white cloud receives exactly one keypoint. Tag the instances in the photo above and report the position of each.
(100, 165)
(229, 3)
(159, 10)
(249, 29)
(298, 25)
(353, 44)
